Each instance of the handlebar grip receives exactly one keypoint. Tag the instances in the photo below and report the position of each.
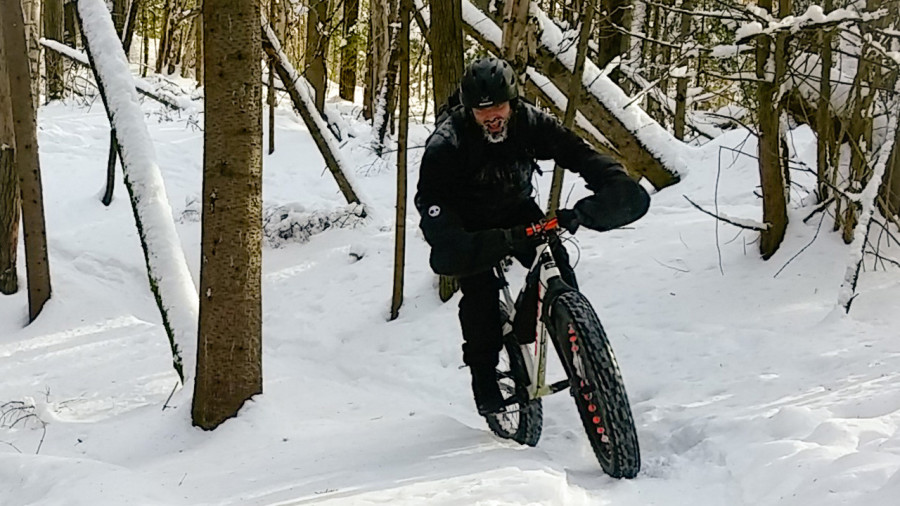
(541, 227)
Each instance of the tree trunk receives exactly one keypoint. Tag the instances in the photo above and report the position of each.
(612, 41)
(824, 127)
(53, 65)
(400, 237)
(229, 358)
(198, 45)
(130, 23)
(32, 13)
(770, 170)
(514, 47)
(9, 186)
(446, 38)
(681, 83)
(71, 36)
(119, 15)
(37, 263)
(349, 50)
(145, 40)
(316, 49)
(385, 100)
(584, 35)
(163, 44)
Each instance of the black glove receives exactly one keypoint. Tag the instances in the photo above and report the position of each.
(519, 241)
(568, 219)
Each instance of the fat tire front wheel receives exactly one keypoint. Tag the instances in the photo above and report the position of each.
(596, 385)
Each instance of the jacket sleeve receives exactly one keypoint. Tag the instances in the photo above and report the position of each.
(617, 201)
(455, 251)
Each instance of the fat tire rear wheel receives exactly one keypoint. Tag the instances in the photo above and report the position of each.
(521, 421)
(596, 385)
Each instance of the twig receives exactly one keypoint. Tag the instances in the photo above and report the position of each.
(803, 248)
(726, 220)
(166, 404)
(670, 266)
(821, 207)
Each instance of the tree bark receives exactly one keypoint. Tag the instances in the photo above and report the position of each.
(584, 35)
(770, 170)
(385, 99)
(316, 49)
(824, 128)
(28, 167)
(681, 83)
(71, 36)
(403, 134)
(350, 49)
(32, 13)
(446, 38)
(9, 186)
(119, 14)
(130, 23)
(229, 358)
(53, 65)
(514, 48)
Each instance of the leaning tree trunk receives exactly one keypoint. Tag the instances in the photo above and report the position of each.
(37, 263)
(349, 49)
(446, 38)
(771, 172)
(584, 35)
(316, 49)
(169, 278)
(9, 185)
(229, 358)
(296, 88)
(400, 232)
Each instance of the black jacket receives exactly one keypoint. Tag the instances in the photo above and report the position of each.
(470, 190)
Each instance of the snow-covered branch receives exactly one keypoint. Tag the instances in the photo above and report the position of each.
(170, 280)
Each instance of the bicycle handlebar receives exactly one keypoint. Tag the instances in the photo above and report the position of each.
(542, 227)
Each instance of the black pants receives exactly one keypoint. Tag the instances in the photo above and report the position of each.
(479, 308)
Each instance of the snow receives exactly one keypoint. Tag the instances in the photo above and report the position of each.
(747, 389)
(167, 267)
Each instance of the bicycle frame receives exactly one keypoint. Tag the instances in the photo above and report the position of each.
(535, 354)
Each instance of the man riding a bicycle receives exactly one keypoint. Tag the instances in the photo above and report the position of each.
(475, 201)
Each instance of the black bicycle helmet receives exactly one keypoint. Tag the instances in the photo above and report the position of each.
(487, 82)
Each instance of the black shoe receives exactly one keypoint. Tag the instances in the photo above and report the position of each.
(487, 391)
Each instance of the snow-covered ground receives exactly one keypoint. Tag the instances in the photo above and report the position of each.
(747, 388)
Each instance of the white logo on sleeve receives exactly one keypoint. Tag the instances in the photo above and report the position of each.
(434, 211)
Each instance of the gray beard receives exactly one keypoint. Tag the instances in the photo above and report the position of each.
(498, 137)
